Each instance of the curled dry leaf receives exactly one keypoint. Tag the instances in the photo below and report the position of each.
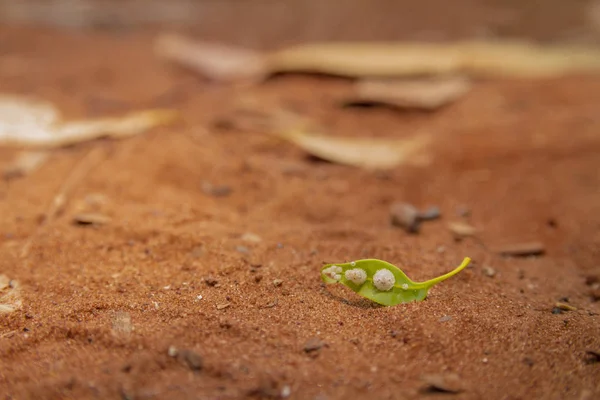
(214, 61)
(382, 60)
(34, 123)
(427, 94)
(369, 153)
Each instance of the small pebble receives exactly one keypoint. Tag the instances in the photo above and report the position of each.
(286, 391)
(192, 359)
(489, 271)
(446, 318)
(216, 190)
(173, 351)
(430, 214)
(313, 344)
(405, 216)
(242, 249)
(251, 238)
(277, 282)
(223, 306)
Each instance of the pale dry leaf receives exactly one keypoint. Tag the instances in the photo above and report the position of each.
(29, 122)
(461, 229)
(426, 94)
(475, 58)
(212, 60)
(10, 296)
(369, 153)
(25, 163)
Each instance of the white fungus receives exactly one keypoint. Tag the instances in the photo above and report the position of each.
(405, 286)
(353, 263)
(333, 272)
(384, 280)
(357, 276)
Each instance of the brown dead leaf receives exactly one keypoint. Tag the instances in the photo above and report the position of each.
(445, 383)
(427, 94)
(369, 153)
(25, 163)
(214, 61)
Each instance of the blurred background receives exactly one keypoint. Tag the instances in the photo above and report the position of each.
(260, 23)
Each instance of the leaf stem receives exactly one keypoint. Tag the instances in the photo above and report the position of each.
(431, 282)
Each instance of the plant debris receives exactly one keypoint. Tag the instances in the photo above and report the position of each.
(10, 296)
(191, 359)
(91, 218)
(564, 306)
(216, 190)
(442, 383)
(26, 122)
(427, 94)
(380, 60)
(522, 249)
(461, 230)
(368, 153)
(223, 306)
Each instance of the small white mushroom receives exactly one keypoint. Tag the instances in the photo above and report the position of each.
(357, 276)
(333, 272)
(405, 286)
(384, 280)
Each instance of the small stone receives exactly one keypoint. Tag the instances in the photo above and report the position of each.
(192, 359)
(592, 357)
(216, 190)
(286, 391)
(430, 214)
(313, 344)
(446, 318)
(223, 306)
(242, 249)
(172, 352)
(251, 238)
(489, 271)
(258, 278)
(211, 281)
(91, 219)
(277, 282)
(405, 216)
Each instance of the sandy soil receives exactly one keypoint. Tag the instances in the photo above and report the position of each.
(102, 306)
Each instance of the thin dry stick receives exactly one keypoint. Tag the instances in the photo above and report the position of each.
(80, 171)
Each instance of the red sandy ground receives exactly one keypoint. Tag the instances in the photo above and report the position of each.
(522, 156)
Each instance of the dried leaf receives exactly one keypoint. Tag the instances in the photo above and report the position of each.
(426, 94)
(369, 153)
(91, 218)
(522, 249)
(214, 61)
(387, 59)
(10, 296)
(445, 383)
(25, 163)
(34, 123)
(461, 229)
(476, 58)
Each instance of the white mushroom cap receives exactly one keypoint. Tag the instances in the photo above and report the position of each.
(357, 276)
(384, 280)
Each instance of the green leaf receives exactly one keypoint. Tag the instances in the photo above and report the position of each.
(381, 281)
